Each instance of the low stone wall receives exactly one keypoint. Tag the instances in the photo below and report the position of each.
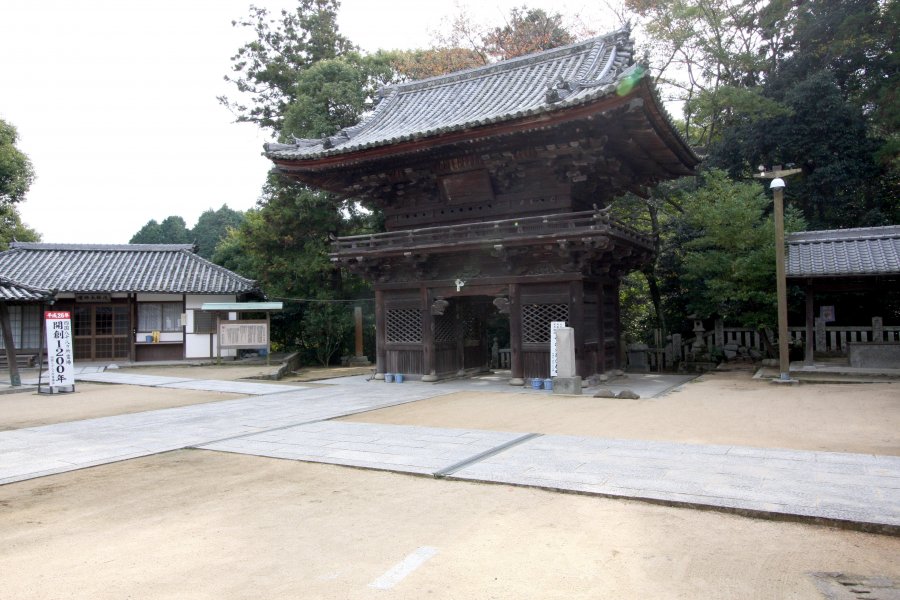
(875, 355)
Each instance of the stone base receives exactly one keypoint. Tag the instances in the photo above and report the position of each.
(429, 378)
(379, 376)
(516, 381)
(567, 385)
(359, 361)
(780, 381)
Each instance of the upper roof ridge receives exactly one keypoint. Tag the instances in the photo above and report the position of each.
(103, 247)
(854, 233)
(584, 66)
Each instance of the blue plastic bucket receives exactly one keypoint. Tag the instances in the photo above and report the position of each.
(398, 378)
(389, 378)
(548, 384)
(536, 384)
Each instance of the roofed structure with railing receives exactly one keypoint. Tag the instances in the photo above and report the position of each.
(495, 185)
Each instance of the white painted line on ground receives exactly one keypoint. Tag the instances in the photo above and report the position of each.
(398, 572)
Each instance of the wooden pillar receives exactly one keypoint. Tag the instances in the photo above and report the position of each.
(14, 378)
(617, 326)
(517, 358)
(808, 356)
(576, 321)
(601, 328)
(428, 356)
(358, 325)
(380, 353)
(459, 328)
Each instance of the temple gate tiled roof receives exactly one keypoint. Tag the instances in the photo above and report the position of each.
(865, 251)
(530, 85)
(161, 268)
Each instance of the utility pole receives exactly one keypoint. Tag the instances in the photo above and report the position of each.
(777, 175)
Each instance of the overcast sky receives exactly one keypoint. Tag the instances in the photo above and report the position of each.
(115, 101)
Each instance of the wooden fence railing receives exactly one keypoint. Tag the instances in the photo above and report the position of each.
(827, 340)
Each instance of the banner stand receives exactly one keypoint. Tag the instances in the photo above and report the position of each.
(59, 353)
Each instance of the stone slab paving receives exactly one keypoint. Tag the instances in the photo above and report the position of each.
(49, 449)
(128, 378)
(250, 388)
(408, 449)
(837, 488)
(235, 387)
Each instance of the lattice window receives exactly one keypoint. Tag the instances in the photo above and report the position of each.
(472, 324)
(536, 319)
(404, 325)
(444, 328)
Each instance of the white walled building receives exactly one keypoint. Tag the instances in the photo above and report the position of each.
(135, 302)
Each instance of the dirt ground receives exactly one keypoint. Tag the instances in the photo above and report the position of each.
(201, 524)
(198, 524)
(719, 408)
(91, 400)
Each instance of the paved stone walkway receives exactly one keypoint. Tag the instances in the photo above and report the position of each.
(838, 488)
(250, 388)
(37, 451)
(290, 422)
(402, 448)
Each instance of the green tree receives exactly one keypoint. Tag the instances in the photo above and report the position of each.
(842, 184)
(13, 229)
(16, 176)
(325, 330)
(148, 234)
(729, 265)
(16, 172)
(212, 226)
(265, 70)
(333, 93)
(172, 230)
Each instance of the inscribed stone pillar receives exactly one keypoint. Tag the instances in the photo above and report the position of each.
(566, 380)
(565, 352)
(877, 329)
(820, 335)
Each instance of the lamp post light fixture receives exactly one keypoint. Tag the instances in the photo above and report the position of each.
(777, 176)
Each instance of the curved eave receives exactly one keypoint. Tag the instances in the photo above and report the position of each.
(536, 120)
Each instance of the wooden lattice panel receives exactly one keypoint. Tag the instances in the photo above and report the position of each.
(444, 328)
(472, 325)
(536, 319)
(404, 325)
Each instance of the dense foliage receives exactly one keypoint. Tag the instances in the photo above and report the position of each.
(810, 84)
(16, 176)
(212, 227)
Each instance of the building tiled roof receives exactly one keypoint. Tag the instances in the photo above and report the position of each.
(862, 251)
(162, 268)
(13, 291)
(529, 85)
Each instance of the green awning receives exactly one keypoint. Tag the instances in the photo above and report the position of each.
(242, 306)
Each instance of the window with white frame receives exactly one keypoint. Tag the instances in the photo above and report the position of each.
(159, 316)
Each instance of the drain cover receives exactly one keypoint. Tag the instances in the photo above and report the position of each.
(843, 586)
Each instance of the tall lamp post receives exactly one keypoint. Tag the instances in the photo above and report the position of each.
(777, 176)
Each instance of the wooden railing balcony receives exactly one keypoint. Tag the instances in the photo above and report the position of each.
(586, 225)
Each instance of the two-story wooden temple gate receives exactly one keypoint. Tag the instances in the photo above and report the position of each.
(490, 181)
